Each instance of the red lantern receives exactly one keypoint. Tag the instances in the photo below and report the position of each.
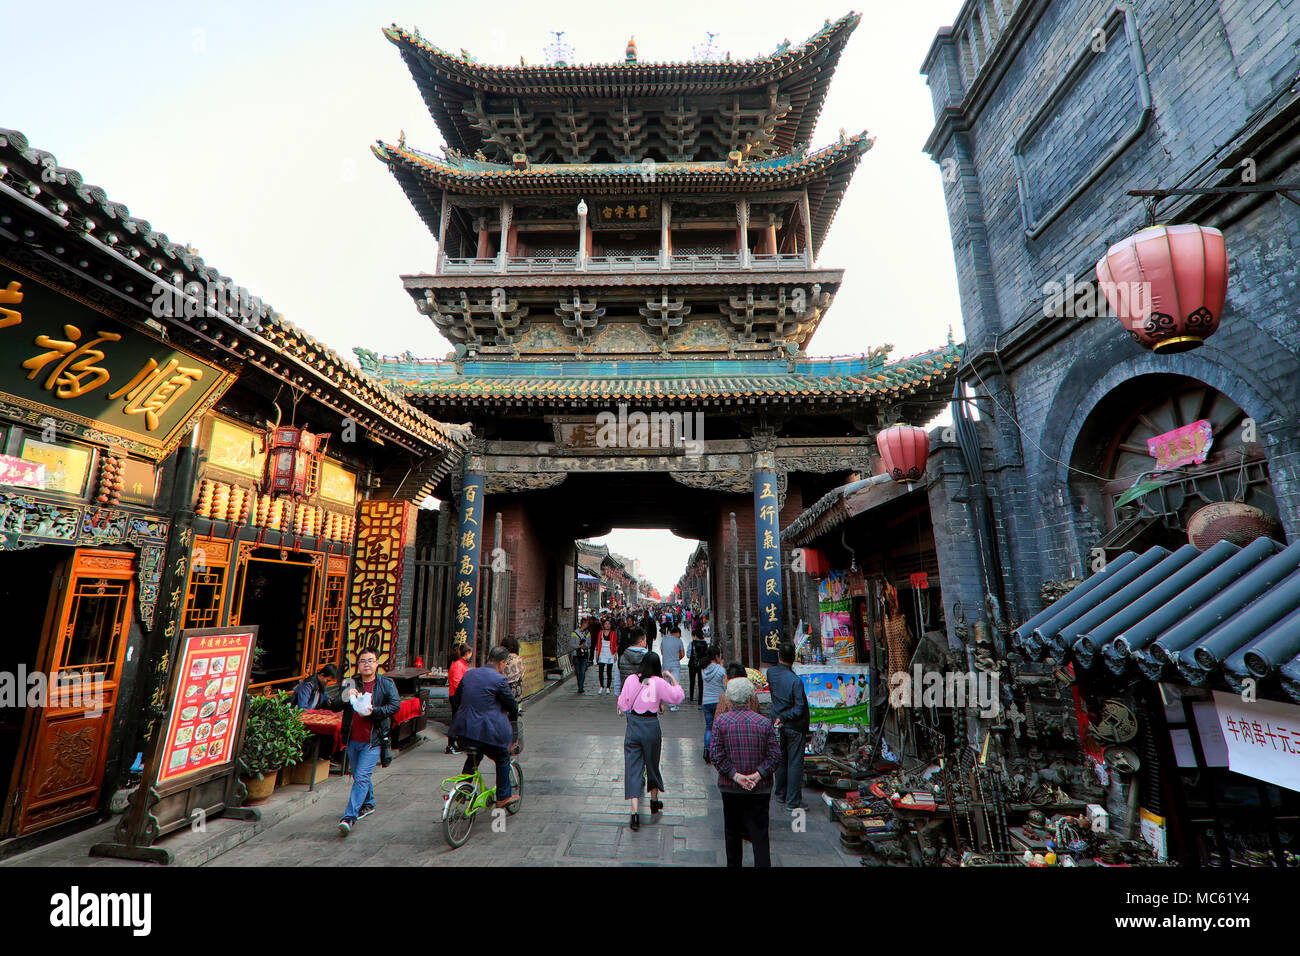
(1167, 285)
(904, 449)
(291, 454)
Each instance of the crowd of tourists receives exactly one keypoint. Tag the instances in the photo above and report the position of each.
(758, 759)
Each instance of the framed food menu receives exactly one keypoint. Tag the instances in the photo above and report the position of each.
(207, 704)
(190, 767)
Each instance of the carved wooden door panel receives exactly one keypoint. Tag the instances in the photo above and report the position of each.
(64, 766)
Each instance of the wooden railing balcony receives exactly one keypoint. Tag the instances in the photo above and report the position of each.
(564, 265)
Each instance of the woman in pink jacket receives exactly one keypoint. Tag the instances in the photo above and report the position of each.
(642, 696)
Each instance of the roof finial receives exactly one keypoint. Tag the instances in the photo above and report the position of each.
(631, 49)
(950, 339)
(401, 138)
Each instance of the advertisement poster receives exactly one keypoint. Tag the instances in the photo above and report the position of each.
(207, 704)
(838, 694)
(837, 636)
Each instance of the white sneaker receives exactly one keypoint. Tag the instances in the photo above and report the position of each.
(673, 709)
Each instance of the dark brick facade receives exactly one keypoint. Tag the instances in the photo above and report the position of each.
(1031, 117)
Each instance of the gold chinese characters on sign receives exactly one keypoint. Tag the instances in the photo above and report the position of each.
(628, 213)
(65, 359)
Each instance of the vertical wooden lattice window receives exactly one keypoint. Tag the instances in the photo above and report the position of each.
(331, 631)
(203, 597)
(94, 625)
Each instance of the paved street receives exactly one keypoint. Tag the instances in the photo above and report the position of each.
(573, 812)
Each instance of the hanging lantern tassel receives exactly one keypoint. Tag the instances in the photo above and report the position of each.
(1167, 285)
(904, 449)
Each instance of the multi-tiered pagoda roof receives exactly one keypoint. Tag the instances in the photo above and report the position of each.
(672, 111)
(635, 231)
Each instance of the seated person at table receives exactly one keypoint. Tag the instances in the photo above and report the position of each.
(313, 692)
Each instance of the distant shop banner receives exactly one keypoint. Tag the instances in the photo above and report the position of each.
(94, 376)
(468, 543)
(1263, 738)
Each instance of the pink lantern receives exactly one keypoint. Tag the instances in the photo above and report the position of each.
(1167, 285)
(904, 449)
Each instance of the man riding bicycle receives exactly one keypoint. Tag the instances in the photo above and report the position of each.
(482, 721)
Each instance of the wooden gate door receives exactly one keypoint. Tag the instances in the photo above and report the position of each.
(62, 769)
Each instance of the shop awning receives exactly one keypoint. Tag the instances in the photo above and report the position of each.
(587, 577)
(836, 507)
(1213, 618)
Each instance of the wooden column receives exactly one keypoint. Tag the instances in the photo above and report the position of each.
(482, 251)
(665, 235)
(770, 236)
(742, 237)
(504, 251)
(805, 217)
(443, 216)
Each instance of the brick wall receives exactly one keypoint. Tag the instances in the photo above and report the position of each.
(1210, 64)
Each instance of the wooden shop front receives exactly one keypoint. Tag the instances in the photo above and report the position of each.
(270, 561)
(92, 408)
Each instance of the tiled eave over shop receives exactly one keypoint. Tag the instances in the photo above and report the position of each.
(56, 224)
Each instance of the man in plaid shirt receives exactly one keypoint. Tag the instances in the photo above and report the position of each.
(745, 750)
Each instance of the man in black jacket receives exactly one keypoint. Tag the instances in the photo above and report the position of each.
(790, 717)
(366, 733)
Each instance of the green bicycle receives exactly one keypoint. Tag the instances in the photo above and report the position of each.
(467, 794)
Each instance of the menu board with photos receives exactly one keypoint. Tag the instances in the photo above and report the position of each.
(207, 704)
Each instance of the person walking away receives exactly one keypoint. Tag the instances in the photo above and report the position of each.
(629, 662)
(651, 631)
(736, 669)
(483, 720)
(514, 674)
(365, 729)
(713, 684)
(673, 650)
(698, 658)
(579, 653)
(460, 655)
(746, 753)
(790, 717)
(606, 650)
(312, 693)
(641, 697)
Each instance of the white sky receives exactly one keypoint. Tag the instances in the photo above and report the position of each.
(244, 129)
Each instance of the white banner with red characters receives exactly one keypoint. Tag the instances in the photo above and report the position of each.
(1263, 738)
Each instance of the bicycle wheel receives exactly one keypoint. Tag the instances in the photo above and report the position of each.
(457, 820)
(516, 787)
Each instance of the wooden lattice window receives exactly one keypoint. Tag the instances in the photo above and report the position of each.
(205, 592)
(94, 626)
(331, 631)
(203, 597)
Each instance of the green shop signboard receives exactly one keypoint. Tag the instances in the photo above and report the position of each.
(96, 377)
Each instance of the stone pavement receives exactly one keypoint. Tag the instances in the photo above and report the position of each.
(573, 812)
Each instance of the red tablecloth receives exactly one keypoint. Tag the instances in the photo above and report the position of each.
(329, 723)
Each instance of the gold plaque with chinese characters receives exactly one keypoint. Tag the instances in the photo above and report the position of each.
(67, 362)
(629, 213)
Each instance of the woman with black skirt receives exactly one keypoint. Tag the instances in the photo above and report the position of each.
(641, 698)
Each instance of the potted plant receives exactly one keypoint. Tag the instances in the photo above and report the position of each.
(273, 739)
